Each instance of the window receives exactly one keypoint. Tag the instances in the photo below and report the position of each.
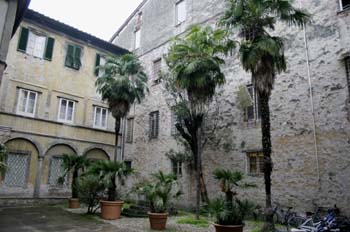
(35, 44)
(139, 21)
(129, 130)
(128, 164)
(255, 162)
(252, 112)
(174, 121)
(73, 57)
(100, 117)
(347, 70)
(27, 102)
(66, 110)
(17, 171)
(137, 38)
(154, 124)
(100, 61)
(181, 12)
(157, 66)
(56, 171)
(176, 167)
(344, 4)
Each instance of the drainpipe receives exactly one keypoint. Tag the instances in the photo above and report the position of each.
(312, 103)
(122, 146)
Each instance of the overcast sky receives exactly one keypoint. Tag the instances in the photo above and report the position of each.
(101, 18)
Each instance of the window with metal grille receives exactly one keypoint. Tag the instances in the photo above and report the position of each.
(129, 130)
(56, 171)
(157, 67)
(347, 70)
(176, 167)
(344, 4)
(27, 102)
(174, 121)
(252, 112)
(17, 171)
(154, 124)
(255, 162)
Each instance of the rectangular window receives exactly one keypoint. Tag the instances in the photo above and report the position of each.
(181, 12)
(137, 38)
(27, 102)
(255, 162)
(35, 44)
(73, 57)
(154, 124)
(100, 117)
(347, 70)
(99, 62)
(252, 113)
(17, 171)
(157, 67)
(129, 130)
(56, 171)
(344, 4)
(176, 167)
(66, 110)
(174, 121)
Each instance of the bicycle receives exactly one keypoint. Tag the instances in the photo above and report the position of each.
(282, 216)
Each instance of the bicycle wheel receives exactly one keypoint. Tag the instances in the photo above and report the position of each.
(295, 222)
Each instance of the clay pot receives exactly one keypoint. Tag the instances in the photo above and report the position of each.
(73, 203)
(111, 210)
(228, 228)
(158, 220)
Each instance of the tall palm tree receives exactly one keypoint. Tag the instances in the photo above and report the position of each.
(195, 66)
(262, 54)
(123, 83)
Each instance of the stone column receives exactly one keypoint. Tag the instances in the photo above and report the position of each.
(38, 177)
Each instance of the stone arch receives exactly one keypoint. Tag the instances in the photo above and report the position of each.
(68, 144)
(96, 153)
(30, 140)
(23, 154)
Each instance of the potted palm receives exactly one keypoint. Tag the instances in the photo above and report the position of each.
(73, 163)
(108, 172)
(230, 212)
(159, 192)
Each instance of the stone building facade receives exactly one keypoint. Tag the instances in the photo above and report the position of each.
(309, 113)
(49, 105)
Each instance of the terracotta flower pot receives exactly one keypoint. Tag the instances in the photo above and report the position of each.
(228, 228)
(111, 210)
(73, 203)
(158, 220)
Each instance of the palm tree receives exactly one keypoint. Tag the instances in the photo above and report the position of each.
(123, 83)
(3, 153)
(73, 163)
(262, 54)
(195, 67)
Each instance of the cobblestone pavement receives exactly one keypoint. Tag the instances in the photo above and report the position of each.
(57, 219)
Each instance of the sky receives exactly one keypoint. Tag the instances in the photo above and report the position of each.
(100, 18)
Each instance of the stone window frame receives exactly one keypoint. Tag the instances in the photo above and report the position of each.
(174, 120)
(259, 162)
(341, 6)
(156, 70)
(176, 167)
(21, 90)
(66, 182)
(19, 152)
(154, 124)
(256, 106)
(177, 3)
(129, 130)
(59, 110)
(137, 37)
(106, 119)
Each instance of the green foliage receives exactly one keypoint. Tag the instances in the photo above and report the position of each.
(190, 220)
(3, 153)
(159, 191)
(243, 98)
(179, 156)
(228, 179)
(107, 171)
(73, 163)
(123, 83)
(90, 192)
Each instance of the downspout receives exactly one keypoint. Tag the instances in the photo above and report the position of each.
(122, 146)
(312, 103)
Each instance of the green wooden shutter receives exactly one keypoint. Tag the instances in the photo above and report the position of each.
(97, 63)
(49, 48)
(77, 54)
(23, 40)
(69, 56)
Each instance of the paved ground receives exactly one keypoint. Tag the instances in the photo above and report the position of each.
(57, 219)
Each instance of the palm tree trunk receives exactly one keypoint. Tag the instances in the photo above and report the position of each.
(198, 171)
(204, 191)
(74, 184)
(266, 144)
(117, 129)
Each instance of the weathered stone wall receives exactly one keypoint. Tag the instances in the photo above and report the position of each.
(295, 177)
